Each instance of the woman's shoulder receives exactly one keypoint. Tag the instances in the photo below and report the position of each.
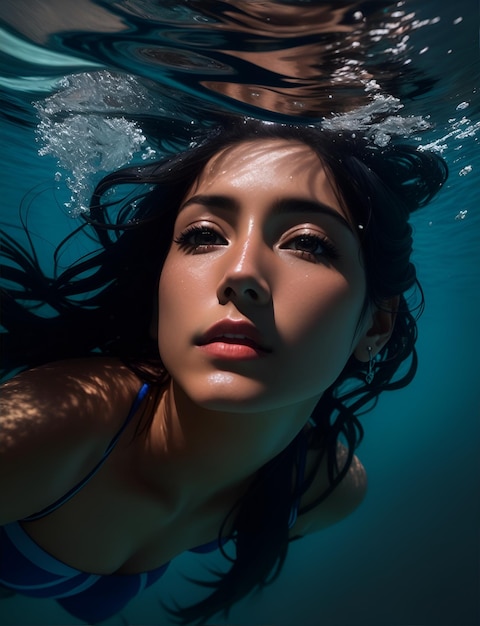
(68, 395)
(342, 502)
(54, 420)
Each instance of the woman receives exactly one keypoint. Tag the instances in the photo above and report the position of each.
(201, 367)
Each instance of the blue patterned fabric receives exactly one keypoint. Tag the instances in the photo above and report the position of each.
(29, 570)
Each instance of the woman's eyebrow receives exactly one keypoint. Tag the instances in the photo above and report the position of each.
(280, 207)
(212, 201)
(303, 205)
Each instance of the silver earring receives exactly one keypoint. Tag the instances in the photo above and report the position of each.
(370, 375)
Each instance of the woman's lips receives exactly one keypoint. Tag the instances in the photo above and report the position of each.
(230, 339)
(225, 348)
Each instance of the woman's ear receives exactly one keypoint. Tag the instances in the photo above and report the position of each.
(380, 330)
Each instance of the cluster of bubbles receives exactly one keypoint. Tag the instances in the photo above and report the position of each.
(378, 121)
(460, 129)
(83, 126)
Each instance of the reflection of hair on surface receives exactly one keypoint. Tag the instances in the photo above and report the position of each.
(312, 60)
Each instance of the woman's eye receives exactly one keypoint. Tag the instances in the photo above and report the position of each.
(199, 237)
(312, 247)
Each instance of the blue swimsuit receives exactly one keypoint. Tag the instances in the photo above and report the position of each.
(28, 569)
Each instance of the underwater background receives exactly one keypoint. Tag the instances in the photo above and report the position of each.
(88, 86)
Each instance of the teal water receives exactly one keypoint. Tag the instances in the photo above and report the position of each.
(410, 554)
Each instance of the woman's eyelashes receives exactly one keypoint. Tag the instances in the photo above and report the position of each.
(311, 247)
(199, 239)
(308, 246)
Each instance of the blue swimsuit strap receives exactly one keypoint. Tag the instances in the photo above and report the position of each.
(58, 503)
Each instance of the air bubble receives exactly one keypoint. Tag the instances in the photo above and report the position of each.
(462, 105)
(149, 153)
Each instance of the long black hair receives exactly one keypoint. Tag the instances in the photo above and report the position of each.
(103, 304)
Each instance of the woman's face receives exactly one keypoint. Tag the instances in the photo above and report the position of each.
(262, 289)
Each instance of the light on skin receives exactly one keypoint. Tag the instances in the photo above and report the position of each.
(262, 238)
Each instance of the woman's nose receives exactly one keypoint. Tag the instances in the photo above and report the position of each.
(245, 277)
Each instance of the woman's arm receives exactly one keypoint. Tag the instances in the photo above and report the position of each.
(55, 422)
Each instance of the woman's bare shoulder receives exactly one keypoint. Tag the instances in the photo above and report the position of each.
(66, 396)
(53, 421)
(343, 501)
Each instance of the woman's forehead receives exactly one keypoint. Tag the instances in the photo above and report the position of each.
(274, 160)
(281, 165)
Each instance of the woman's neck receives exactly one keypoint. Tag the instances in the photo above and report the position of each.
(192, 454)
